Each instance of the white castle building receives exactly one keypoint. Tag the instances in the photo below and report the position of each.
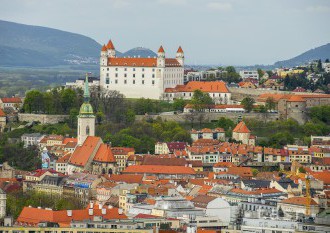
(137, 77)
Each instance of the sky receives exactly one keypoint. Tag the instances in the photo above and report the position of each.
(226, 32)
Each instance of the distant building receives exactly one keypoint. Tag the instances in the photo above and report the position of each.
(320, 141)
(93, 82)
(169, 147)
(217, 133)
(12, 102)
(243, 134)
(31, 139)
(217, 90)
(3, 201)
(132, 76)
(249, 74)
(3, 120)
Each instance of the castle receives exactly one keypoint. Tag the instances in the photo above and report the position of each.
(137, 77)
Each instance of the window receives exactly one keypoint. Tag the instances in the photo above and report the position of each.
(142, 75)
(133, 69)
(107, 81)
(142, 69)
(116, 75)
(153, 75)
(107, 75)
(153, 70)
(125, 75)
(116, 69)
(125, 81)
(125, 69)
(87, 130)
(142, 81)
(116, 81)
(133, 75)
(153, 82)
(133, 81)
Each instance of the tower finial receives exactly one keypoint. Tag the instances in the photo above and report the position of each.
(86, 90)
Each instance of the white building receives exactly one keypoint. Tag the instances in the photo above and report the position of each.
(217, 90)
(268, 225)
(3, 200)
(137, 77)
(249, 74)
(79, 83)
(31, 139)
(326, 67)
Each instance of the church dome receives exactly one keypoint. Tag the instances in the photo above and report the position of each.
(86, 109)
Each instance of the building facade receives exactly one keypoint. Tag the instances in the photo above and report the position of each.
(137, 77)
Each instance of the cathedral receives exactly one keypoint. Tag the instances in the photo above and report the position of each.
(91, 154)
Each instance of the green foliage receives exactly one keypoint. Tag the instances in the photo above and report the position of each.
(255, 172)
(143, 135)
(270, 103)
(321, 113)
(200, 100)
(178, 104)
(17, 201)
(302, 170)
(21, 158)
(260, 73)
(247, 103)
(281, 139)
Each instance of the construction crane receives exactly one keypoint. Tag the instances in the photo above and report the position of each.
(308, 195)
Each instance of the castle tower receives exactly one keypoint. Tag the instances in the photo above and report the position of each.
(104, 56)
(111, 49)
(180, 56)
(161, 57)
(86, 118)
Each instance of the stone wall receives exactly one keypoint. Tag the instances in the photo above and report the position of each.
(42, 118)
(208, 117)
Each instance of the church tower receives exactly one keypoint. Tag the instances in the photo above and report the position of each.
(86, 118)
(161, 57)
(180, 56)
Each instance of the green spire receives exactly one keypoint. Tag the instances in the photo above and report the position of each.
(86, 90)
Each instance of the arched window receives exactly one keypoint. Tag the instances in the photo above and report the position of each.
(110, 171)
(103, 171)
(87, 130)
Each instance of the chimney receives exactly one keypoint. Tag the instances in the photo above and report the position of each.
(69, 213)
(104, 211)
(120, 211)
(90, 212)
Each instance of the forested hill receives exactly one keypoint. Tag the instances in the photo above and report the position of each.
(25, 45)
(322, 52)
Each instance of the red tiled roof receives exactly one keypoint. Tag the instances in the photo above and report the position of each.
(240, 171)
(110, 45)
(11, 100)
(127, 178)
(176, 146)
(122, 150)
(104, 154)
(180, 50)
(156, 160)
(64, 159)
(296, 98)
(82, 153)
(158, 169)
(104, 48)
(67, 140)
(146, 216)
(241, 128)
(30, 215)
(161, 49)
(212, 87)
(140, 62)
(224, 164)
(298, 201)
(2, 114)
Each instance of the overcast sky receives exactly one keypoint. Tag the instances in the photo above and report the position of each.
(236, 32)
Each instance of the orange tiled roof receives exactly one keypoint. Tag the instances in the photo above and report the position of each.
(67, 140)
(179, 50)
(241, 128)
(324, 176)
(110, 45)
(161, 49)
(141, 62)
(127, 178)
(11, 100)
(158, 169)
(64, 159)
(104, 48)
(2, 114)
(224, 164)
(296, 98)
(33, 216)
(104, 154)
(122, 150)
(82, 153)
(298, 201)
(240, 171)
(212, 87)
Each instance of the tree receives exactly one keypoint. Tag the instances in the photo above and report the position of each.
(327, 60)
(178, 104)
(68, 99)
(270, 103)
(200, 100)
(260, 73)
(247, 103)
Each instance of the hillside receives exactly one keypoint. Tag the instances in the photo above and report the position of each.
(322, 52)
(139, 52)
(25, 45)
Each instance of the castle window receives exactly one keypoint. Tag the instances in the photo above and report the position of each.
(87, 130)
(107, 81)
(117, 69)
(133, 75)
(153, 70)
(153, 75)
(142, 75)
(142, 69)
(116, 81)
(125, 69)
(142, 81)
(107, 69)
(133, 81)
(153, 82)
(116, 75)
(125, 81)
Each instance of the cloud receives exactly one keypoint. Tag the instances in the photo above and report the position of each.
(172, 2)
(219, 6)
(318, 9)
